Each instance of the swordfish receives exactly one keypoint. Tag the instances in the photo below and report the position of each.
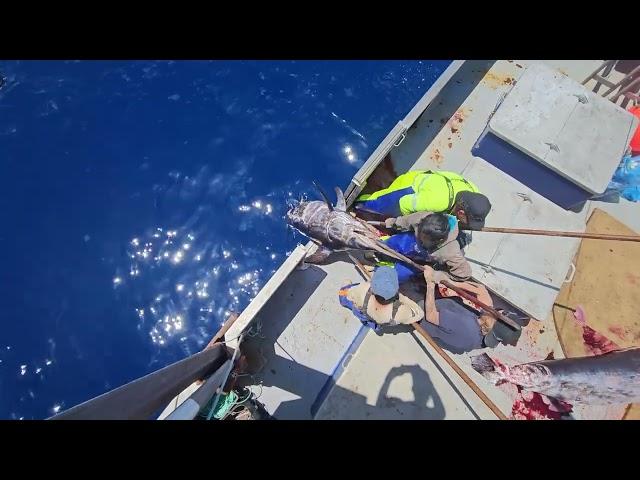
(598, 380)
(333, 229)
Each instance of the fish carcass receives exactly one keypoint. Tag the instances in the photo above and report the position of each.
(612, 378)
(333, 229)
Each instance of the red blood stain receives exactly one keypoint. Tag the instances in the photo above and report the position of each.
(618, 331)
(596, 343)
(535, 406)
(501, 367)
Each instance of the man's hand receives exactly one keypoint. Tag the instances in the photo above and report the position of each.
(390, 223)
(428, 274)
(433, 276)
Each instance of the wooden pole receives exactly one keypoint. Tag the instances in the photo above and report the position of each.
(490, 310)
(554, 233)
(546, 233)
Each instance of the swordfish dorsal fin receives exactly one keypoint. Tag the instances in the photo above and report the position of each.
(324, 195)
(340, 203)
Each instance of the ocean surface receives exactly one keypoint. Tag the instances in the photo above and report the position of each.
(142, 201)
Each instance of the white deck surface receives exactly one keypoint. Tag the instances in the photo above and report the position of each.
(400, 376)
(304, 334)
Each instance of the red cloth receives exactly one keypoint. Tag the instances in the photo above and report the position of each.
(635, 141)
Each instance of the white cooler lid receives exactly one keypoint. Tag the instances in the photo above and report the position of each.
(573, 131)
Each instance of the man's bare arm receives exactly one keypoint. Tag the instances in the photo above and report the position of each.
(431, 313)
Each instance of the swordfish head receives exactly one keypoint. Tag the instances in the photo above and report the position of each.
(314, 219)
(309, 218)
(333, 227)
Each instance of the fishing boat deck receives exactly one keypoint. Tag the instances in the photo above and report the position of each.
(315, 359)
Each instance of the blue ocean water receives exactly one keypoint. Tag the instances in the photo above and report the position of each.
(143, 201)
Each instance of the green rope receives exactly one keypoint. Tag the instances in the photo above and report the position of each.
(225, 403)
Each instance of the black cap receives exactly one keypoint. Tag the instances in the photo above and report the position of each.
(476, 206)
